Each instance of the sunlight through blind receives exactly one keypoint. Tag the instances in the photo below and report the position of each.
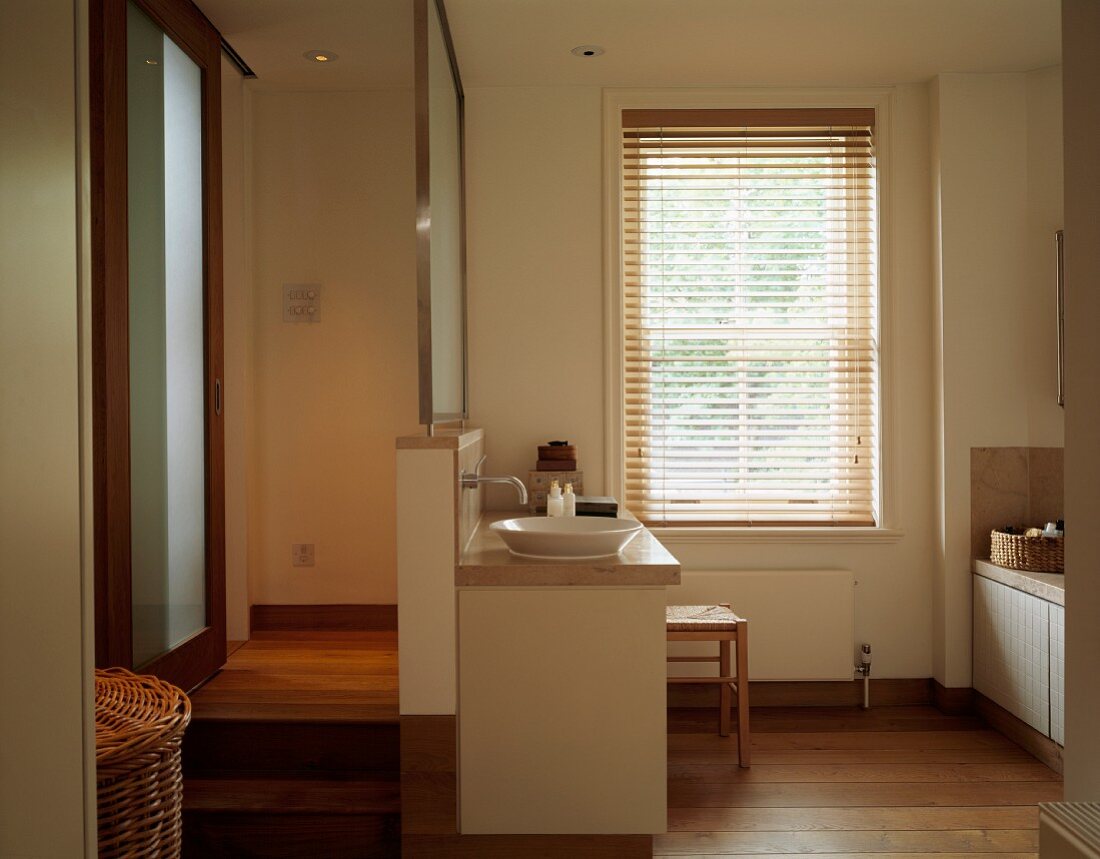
(750, 315)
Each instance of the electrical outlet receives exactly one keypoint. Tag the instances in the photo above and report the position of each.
(302, 554)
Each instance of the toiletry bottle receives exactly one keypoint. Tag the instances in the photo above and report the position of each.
(554, 500)
(569, 501)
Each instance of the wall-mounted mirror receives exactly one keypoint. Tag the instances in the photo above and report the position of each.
(440, 220)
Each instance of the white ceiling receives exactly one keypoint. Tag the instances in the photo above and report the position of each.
(372, 38)
(648, 42)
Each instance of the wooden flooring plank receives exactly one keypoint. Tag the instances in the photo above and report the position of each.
(695, 795)
(859, 819)
(251, 679)
(859, 773)
(824, 757)
(863, 740)
(798, 719)
(320, 697)
(914, 855)
(884, 841)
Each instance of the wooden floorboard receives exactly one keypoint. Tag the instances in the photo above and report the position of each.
(881, 841)
(322, 676)
(906, 781)
(893, 781)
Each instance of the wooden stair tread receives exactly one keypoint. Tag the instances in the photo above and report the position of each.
(357, 713)
(293, 796)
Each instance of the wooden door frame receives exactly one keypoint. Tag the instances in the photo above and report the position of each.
(194, 660)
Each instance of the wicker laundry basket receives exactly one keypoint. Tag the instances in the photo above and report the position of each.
(139, 725)
(1035, 554)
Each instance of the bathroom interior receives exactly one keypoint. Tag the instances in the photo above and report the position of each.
(362, 287)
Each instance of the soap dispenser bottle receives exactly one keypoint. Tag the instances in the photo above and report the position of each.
(554, 504)
(569, 501)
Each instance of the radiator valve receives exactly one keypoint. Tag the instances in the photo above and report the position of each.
(864, 667)
(864, 671)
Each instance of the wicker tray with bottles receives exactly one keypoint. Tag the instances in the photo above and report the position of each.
(1034, 554)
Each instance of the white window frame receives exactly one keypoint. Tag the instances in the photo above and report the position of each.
(615, 101)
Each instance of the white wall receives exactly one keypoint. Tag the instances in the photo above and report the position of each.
(333, 203)
(45, 659)
(237, 321)
(535, 274)
(1045, 204)
(1080, 34)
(536, 336)
(994, 304)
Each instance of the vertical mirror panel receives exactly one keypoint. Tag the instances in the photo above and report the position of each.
(167, 445)
(448, 319)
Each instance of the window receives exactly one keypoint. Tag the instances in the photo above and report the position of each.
(750, 317)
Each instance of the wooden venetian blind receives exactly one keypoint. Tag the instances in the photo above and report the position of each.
(750, 314)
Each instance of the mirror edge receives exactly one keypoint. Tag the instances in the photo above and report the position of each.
(428, 416)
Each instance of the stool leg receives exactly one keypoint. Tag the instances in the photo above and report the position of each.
(724, 688)
(744, 744)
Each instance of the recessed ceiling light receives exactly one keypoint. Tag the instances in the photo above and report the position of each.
(320, 56)
(587, 51)
(151, 62)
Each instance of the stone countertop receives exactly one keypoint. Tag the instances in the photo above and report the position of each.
(644, 562)
(1047, 586)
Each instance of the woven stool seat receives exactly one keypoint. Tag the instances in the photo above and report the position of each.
(139, 725)
(700, 618)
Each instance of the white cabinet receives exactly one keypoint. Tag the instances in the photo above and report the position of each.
(1018, 647)
(562, 710)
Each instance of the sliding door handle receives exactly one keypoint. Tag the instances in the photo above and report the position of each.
(217, 396)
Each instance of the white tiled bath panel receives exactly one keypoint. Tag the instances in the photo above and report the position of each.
(1012, 651)
(1057, 674)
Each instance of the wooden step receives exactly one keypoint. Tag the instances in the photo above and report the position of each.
(303, 748)
(294, 795)
(291, 836)
(290, 818)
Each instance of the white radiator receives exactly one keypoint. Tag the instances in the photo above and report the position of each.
(800, 621)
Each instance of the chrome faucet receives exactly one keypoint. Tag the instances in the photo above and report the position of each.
(473, 479)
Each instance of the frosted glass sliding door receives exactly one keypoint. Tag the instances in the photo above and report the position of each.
(166, 340)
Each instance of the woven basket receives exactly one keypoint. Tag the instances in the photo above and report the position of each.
(1035, 554)
(139, 725)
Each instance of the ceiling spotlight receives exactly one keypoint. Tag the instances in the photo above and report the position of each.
(587, 51)
(320, 56)
(151, 62)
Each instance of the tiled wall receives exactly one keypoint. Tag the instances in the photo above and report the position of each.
(1012, 486)
(1012, 651)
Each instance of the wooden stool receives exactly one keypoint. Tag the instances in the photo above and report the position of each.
(717, 623)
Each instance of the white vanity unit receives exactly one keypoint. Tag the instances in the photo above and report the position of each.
(533, 695)
(1019, 644)
(561, 692)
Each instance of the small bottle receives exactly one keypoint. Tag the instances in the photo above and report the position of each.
(554, 500)
(569, 501)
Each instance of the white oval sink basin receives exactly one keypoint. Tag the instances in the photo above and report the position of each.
(575, 537)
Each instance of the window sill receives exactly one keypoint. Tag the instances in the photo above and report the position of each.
(681, 536)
